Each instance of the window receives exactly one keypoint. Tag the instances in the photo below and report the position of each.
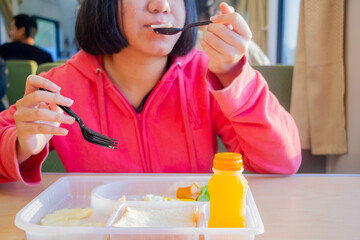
(289, 12)
(3, 32)
(47, 36)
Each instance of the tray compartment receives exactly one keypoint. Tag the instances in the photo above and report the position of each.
(185, 233)
(105, 198)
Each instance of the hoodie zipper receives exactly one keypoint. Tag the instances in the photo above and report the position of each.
(140, 126)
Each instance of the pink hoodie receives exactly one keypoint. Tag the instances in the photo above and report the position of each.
(176, 130)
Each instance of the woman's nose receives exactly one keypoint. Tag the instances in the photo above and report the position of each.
(159, 6)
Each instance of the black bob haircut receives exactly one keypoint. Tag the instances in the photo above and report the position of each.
(29, 23)
(97, 31)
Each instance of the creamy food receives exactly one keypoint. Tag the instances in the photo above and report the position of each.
(165, 25)
(181, 216)
(69, 217)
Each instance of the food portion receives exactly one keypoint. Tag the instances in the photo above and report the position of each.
(70, 217)
(193, 192)
(204, 195)
(189, 193)
(165, 25)
(184, 216)
(156, 198)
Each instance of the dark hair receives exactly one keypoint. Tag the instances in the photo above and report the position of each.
(205, 9)
(97, 31)
(29, 23)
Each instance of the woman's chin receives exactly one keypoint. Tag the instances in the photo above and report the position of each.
(159, 51)
(156, 49)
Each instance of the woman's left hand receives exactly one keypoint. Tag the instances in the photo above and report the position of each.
(225, 41)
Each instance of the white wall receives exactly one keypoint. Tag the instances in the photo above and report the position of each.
(350, 162)
(63, 11)
(272, 15)
(15, 6)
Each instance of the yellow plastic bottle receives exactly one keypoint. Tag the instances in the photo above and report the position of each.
(227, 189)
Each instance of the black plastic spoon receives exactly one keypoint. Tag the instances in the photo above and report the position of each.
(172, 30)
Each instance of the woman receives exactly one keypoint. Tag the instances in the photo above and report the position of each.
(164, 101)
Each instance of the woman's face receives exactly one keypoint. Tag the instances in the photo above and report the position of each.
(139, 15)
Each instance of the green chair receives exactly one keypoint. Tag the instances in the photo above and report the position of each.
(279, 79)
(47, 66)
(18, 71)
(52, 162)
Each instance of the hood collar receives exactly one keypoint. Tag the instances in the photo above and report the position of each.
(88, 64)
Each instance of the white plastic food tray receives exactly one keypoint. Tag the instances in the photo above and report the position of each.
(102, 192)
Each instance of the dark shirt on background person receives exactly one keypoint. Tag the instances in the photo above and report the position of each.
(23, 51)
(23, 31)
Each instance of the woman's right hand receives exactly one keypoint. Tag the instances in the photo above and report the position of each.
(37, 116)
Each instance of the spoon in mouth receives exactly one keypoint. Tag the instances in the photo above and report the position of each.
(171, 30)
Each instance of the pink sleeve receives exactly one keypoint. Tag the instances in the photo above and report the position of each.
(251, 121)
(28, 172)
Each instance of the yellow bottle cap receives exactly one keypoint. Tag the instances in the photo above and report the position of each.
(228, 161)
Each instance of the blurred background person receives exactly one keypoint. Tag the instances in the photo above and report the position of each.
(207, 9)
(23, 31)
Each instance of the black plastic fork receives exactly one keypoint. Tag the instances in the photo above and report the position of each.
(88, 134)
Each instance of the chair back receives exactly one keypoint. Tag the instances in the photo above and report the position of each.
(279, 79)
(52, 162)
(18, 71)
(47, 66)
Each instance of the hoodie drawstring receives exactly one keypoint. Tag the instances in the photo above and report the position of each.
(185, 115)
(101, 102)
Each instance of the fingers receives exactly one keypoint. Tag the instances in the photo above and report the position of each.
(212, 52)
(229, 17)
(238, 23)
(226, 41)
(38, 117)
(31, 128)
(55, 108)
(43, 114)
(43, 119)
(34, 82)
(219, 35)
(33, 98)
(228, 53)
(226, 8)
(37, 112)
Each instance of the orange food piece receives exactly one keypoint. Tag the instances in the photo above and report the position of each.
(189, 192)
